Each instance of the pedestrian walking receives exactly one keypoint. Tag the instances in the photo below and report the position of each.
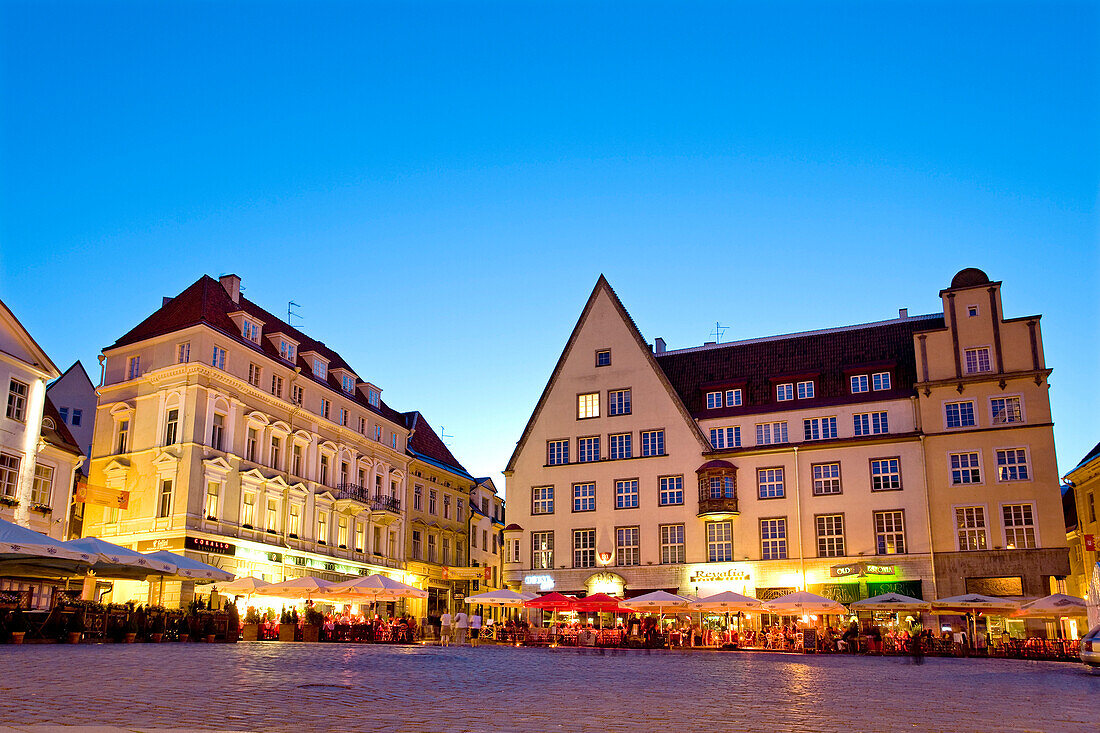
(461, 624)
(475, 628)
(445, 629)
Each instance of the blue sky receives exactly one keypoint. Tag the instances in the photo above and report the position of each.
(439, 185)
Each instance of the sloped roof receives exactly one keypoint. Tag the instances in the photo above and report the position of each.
(1095, 452)
(35, 351)
(58, 435)
(424, 443)
(78, 371)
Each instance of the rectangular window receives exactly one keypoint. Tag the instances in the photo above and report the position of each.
(248, 515)
(773, 538)
(965, 469)
(296, 394)
(603, 357)
(76, 417)
(970, 525)
(771, 432)
(431, 548)
(276, 451)
(1019, 526)
(977, 361)
(183, 352)
(719, 541)
(1012, 465)
(1091, 506)
(213, 488)
(446, 559)
(42, 486)
(714, 400)
(171, 426)
(618, 402)
(324, 469)
(890, 533)
(343, 413)
(322, 528)
(621, 446)
(588, 449)
(653, 442)
(218, 359)
(164, 505)
(542, 500)
(859, 383)
(627, 550)
(250, 445)
(733, 398)
(1005, 410)
(286, 350)
(254, 374)
(378, 433)
(272, 515)
(588, 405)
(871, 423)
(770, 483)
(135, 367)
(416, 544)
(418, 498)
(362, 426)
(805, 390)
(819, 428)
(374, 397)
(584, 497)
(64, 412)
(722, 487)
(348, 383)
(626, 494)
(885, 474)
(584, 548)
(446, 506)
(251, 331)
(431, 501)
(217, 431)
(342, 532)
(320, 369)
(542, 550)
(959, 414)
(9, 475)
(296, 460)
(557, 452)
(725, 437)
(277, 385)
(123, 436)
(880, 381)
(830, 535)
(784, 392)
(826, 478)
(359, 536)
(671, 490)
(326, 408)
(672, 544)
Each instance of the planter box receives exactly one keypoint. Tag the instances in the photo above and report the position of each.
(251, 632)
(311, 633)
(286, 632)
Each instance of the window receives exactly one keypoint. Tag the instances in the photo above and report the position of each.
(135, 367)
(959, 414)
(446, 506)
(770, 483)
(416, 544)
(859, 383)
(618, 402)
(171, 426)
(431, 548)
(251, 331)
(557, 452)
(359, 536)
(164, 506)
(342, 532)
(714, 400)
(826, 478)
(965, 469)
(819, 428)
(42, 486)
(672, 544)
(1012, 465)
(584, 548)
(890, 533)
(603, 357)
(76, 417)
(296, 394)
(218, 359)
(272, 515)
(123, 436)
(276, 450)
(348, 383)
(588, 405)
(1005, 410)
(627, 551)
(671, 490)
(373, 397)
(885, 474)
(719, 541)
(830, 535)
(771, 432)
(183, 352)
(653, 442)
(871, 423)
(343, 417)
(378, 433)
(880, 381)
(722, 487)
(971, 311)
(9, 475)
(250, 445)
(362, 426)
(784, 392)
(320, 369)
(725, 437)
(326, 408)
(322, 527)
(418, 498)
(977, 360)
(248, 516)
(213, 488)
(515, 556)
(621, 446)
(626, 494)
(733, 398)
(584, 497)
(446, 559)
(773, 539)
(393, 440)
(64, 412)
(277, 385)
(296, 460)
(254, 375)
(1090, 501)
(805, 390)
(432, 494)
(542, 500)
(217, 431)
(588, 449)
(1019, 526)
(542, 550)
(325, 462)
(970, 525)
(286, 350)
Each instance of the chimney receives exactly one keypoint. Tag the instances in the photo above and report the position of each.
(659, 345)
(903, 312)
(165, 300)
(232, 285)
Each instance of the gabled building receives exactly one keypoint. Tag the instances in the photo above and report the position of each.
(1082, 526)
(486, 539)
(913, 455)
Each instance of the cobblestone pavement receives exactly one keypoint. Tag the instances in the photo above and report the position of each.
(319, 687)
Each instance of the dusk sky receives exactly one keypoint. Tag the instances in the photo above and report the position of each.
(439, 185)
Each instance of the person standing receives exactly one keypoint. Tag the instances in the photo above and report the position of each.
(445, 629)
(475, 628)
(461, 623)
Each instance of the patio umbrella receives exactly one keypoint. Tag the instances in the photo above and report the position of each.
(374, 588)
(503, 597)
(974, 603)
(599, 603)
(192, 569)
(726, 601)
(1054, 606)
(554, 601)
(803, 602)
(24, 551)
(892, 602)
(245, 586)
(303, 588)
(657, 601)
(114, 561)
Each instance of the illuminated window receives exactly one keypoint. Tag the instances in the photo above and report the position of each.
(1012, 465)
(213, 488)
(542, 500)
(1019, 526)
(719, 541)
(272, 515)
(164, 505)
(9, 475)
(970, 525)
(584, 548)
(588, 405)
(1006, 410)
(294, 521)
(42, 486)
(542, 550)
(342, 532)
(322, 527)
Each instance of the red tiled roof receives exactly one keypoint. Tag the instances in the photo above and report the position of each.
(423, 441)
(58, 435)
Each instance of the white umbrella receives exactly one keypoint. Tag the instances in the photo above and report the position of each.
(23, 550)
(192, 569)
(1054, 606)
(375, 588)
(726, 601)
(114, 561)
(973, 603)
(803, 602)
(657, 601)
(503, 597)
(893, 602)
(304, 588)
(244, 586)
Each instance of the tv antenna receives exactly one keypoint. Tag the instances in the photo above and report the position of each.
(290, 306)
(719, 331)
(443, 434)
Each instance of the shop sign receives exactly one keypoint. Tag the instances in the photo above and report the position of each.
(770, 594)
(162, 543)
(609, 583)
(544, 582)
(483, 574)
(1090, 542)
(841, 592)
(715, 576)
(857, 569)
(200, 544)
(101, 496)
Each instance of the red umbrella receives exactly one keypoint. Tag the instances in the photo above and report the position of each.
(600, 602)
(554, 601)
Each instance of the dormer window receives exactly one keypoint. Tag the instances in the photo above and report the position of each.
(784, 392)
(251, 330)
(320, 369)
(348, 383)
(805, 390)
(373, 397)
(287, 350)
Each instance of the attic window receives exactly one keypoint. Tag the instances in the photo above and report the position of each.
(286, 350)
(603, 357)
(971, 310)
(320, 369)
(251, 330)
(373, 397)
(47, 422)
(348, 382)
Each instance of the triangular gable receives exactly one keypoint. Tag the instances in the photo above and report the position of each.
(17, 336)
(603, 286)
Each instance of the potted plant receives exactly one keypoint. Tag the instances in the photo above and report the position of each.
(312, 629)
(251, 630)
(287, 626)
(156, 628)
(17, 624)
(131, 629)
(75, 628)
(183, 629)
(233, 624)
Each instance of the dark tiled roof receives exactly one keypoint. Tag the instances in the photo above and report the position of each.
(1089, 456)
(207, 302)
(824, 356)
(59, 435)
(424, 443)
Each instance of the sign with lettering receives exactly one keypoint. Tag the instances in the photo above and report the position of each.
(201, 544)
(610, 583)
(101, 496)
(483, 574)
(161, 543)
(857, 569)
(714, 576)
(542, 582)
(1090, 542)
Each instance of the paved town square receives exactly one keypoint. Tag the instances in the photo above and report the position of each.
(311, 687)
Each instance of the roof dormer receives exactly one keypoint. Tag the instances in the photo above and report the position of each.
(250, 327)
(317, 363)
(372, 392)
(285, 345)
(346, 378)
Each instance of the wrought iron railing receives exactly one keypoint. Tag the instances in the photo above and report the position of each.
(361, 493)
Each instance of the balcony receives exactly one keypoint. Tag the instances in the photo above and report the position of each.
(717, 490)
